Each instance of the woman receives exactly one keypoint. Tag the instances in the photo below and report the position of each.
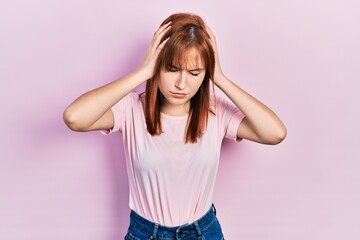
(173, 132)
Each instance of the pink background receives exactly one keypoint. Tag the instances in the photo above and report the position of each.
(300, 57)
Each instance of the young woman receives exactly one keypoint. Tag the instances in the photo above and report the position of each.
(173, 132)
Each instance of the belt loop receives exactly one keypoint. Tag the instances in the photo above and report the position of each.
(153, 236)
(214, 208)
(197, 228)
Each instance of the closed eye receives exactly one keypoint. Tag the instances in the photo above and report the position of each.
(172, 69)
(194, 74)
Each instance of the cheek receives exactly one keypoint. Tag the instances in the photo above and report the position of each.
(161, 86)
(162, 81)
(165, 82)
(196, 83)
(167, 77)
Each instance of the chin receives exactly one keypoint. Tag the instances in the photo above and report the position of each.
(177, 101)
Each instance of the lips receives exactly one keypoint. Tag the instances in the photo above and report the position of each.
(178, 95)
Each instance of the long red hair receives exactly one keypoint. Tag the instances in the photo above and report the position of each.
(187, 32)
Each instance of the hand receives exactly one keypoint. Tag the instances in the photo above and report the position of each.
(218, 74)
(154, 49)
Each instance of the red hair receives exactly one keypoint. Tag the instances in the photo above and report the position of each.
(187, 32)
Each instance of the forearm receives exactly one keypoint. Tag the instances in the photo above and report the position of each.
(90, 106)
(261, 119)
(91, 110)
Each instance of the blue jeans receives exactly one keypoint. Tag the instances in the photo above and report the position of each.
(205, 228)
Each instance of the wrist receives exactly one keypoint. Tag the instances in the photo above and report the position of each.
(220, 80)
(143, 74)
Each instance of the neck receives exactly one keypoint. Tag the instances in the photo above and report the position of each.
(176, 110)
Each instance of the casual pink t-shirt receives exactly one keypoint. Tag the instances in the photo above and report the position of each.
(170, 182)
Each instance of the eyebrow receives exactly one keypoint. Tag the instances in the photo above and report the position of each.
(190, 70)
(196, 69)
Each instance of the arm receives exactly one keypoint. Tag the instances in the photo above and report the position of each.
(91, 111)
(260, 123)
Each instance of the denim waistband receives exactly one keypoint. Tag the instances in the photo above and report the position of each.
(154, 230)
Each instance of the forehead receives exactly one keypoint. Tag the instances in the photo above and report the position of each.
(188, 59)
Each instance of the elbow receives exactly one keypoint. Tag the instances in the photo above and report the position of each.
(71, 120)
(279, 136)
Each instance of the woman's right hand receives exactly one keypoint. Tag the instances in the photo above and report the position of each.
(149, 62)
(91, 111)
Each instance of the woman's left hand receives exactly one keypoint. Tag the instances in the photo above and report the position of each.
(260, 123)
(218, 74)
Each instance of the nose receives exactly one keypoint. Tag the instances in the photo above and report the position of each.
(181, 82)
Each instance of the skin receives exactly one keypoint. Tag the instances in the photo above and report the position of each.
(178, 85)
(91, 111)
(260, 124)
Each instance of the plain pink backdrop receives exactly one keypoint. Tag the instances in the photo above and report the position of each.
(300, 57)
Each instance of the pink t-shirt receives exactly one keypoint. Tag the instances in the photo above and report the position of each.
(170, 182)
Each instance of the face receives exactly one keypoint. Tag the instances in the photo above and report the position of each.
(179, 84)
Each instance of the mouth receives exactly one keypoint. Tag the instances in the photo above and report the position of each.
(178, 95)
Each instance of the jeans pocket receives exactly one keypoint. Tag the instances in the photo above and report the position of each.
(129, 236)
(135, 233)
(213, 231)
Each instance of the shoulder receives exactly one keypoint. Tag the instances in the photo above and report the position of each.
(218, 102)
(132, 97)
(129, 101)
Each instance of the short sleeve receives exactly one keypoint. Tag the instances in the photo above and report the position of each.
(229, 117)
(119, 111)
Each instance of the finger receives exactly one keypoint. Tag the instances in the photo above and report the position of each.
(162, 28)
(161, 45)
(212, 36)
(157, 38)
(158, 35)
